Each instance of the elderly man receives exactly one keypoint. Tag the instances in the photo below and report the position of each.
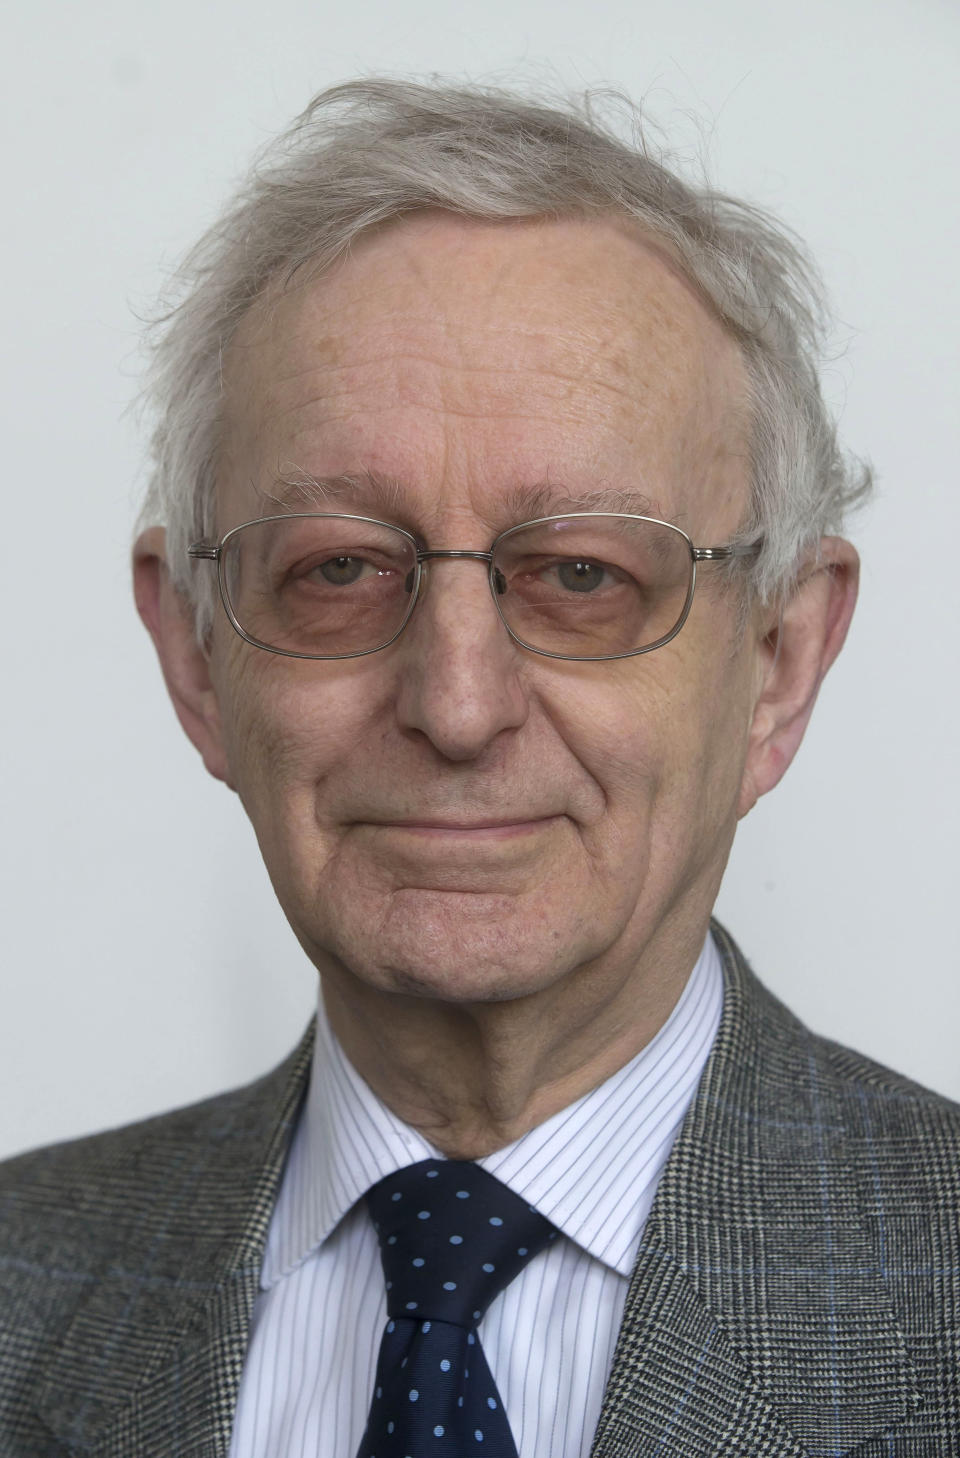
(490, 559)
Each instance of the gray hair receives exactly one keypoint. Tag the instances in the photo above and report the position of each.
(369, 152)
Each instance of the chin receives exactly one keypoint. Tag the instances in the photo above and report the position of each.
(460, 948)
(448, 980)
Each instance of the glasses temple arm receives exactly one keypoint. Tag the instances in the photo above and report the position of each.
(721, 554)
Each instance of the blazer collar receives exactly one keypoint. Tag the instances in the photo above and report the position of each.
(756, 1319)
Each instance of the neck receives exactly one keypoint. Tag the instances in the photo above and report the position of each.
(474, 1077)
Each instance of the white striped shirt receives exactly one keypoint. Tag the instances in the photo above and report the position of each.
(592, 1169)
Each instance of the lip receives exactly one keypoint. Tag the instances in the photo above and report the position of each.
(468, 829)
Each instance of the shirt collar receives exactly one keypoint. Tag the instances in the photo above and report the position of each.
(592, 1168)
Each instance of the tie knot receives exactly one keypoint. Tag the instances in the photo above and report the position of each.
(451, 1237)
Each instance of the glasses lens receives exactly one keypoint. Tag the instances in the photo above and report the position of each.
(595, 586)
(322, 586)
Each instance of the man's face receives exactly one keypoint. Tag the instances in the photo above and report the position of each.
(454, 816)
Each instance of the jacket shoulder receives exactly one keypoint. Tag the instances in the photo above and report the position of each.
(893, 1094)
(904, 1136)
(52, 1199)
(871, 1095)
(907, 1135)
(150, 1215)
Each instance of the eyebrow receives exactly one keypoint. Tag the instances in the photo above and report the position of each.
(550, 498)
(296, 489)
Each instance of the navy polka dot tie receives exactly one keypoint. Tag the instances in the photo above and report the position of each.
(451, 1238)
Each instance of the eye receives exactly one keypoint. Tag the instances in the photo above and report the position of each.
(340, 571)
(581, 576)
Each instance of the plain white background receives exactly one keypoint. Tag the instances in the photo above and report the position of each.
(145, 962)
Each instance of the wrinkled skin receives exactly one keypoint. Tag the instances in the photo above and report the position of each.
(503, 865)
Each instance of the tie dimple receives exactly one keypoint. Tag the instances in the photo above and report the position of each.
(451, 1238)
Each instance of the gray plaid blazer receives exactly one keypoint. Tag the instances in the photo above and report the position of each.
(796, 1291)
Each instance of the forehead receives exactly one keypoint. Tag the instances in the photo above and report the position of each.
(461, 365)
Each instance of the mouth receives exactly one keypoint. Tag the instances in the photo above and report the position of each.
(500, 829)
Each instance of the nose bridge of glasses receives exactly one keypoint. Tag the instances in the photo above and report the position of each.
(426, 554)
(430, 554)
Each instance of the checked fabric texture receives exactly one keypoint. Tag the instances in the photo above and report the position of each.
(451, 1238)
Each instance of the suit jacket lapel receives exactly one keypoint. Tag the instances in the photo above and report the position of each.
(151, 1363)
(757, 1321)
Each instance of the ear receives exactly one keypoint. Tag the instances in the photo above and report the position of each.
(794, 655)
(186, 669)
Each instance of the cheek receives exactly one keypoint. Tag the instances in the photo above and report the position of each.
(287, 726)
(665, 742)
(707, 773)
(631, 722)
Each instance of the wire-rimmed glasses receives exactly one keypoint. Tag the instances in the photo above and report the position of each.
(588, 585)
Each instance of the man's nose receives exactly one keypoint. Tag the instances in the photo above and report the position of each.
(460, 678)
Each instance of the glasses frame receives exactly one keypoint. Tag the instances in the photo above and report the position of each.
(214, 552)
